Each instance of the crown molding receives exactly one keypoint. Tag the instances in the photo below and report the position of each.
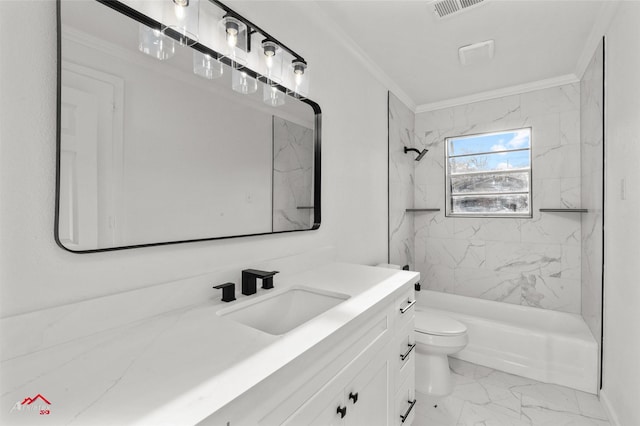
(499, 93)
(603, 21)
(314, 12)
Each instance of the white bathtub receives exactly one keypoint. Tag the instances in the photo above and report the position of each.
(544, 345)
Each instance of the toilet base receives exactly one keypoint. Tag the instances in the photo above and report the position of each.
(432, 374)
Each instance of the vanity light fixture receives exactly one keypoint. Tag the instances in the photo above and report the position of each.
(181, 19)
(242, 82)
(272, 96)
(232, 29)
(236, 35)
(272, 55)
(301, 81)
(269, 47)
(152, 42)
(298, 69)
(206, 66)
(228, 42)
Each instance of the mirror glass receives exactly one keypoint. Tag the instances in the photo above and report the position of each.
(151, 152)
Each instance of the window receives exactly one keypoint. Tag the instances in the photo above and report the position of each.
(489, 174)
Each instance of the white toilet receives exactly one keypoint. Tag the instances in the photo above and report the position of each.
(437, 337)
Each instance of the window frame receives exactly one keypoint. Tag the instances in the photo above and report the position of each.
(447, 181)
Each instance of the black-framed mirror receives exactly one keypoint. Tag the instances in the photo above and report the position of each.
(151, 153)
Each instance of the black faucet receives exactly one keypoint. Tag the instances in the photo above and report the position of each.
(249, 277)
(228, 291)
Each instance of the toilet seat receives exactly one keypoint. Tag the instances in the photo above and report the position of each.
(435, 324)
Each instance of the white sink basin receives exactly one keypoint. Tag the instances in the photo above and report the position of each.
(281, 312)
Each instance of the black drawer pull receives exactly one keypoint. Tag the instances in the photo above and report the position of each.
(342, 411)
(406, 354)
(409, 410)
(353, 396)
(409, 306)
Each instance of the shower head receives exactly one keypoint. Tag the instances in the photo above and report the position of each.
(420, 153)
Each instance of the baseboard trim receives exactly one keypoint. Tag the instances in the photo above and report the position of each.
(606, 404)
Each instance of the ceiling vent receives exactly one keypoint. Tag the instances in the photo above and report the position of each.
(443, 8)
(476, 53)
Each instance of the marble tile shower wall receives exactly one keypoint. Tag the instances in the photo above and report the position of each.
(292, 175)
(536, 261)
(592, 170)
(401, 182)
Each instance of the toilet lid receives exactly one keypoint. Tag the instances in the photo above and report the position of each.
(437, 324)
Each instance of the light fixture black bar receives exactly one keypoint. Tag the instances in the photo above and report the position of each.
(251, 26)
(564, 210)
(422, 210)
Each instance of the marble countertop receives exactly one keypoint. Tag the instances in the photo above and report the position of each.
(180, 366)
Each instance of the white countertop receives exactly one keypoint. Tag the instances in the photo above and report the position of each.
(181, 366)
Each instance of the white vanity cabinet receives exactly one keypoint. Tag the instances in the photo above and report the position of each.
(374, 388)
(361, 374)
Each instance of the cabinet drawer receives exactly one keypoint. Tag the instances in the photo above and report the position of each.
(309, 401)
(405, 403)
(404, 356)
(405, 308)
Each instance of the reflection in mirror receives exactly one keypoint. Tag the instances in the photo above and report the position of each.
(156, 147)
(292, 175)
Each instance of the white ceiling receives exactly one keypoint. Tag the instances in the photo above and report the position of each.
(534, 41)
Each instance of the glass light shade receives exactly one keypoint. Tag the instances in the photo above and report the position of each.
(298, 80)
(242, 82)
(272, 96)
(206, 66)
(236, 36)
(182, 19)
(153, 43)
(272, 61)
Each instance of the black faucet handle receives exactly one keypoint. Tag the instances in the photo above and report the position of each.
(228, 291)
(267, 282)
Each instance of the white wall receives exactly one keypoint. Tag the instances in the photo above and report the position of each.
(621, 367)
(35, 273)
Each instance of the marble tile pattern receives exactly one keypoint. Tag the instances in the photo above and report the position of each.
(483, 396)
(533, 262)
(292, 175)
(401, 182)
(592, 170)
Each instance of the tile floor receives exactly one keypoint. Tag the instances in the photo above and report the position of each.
(483, 396)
